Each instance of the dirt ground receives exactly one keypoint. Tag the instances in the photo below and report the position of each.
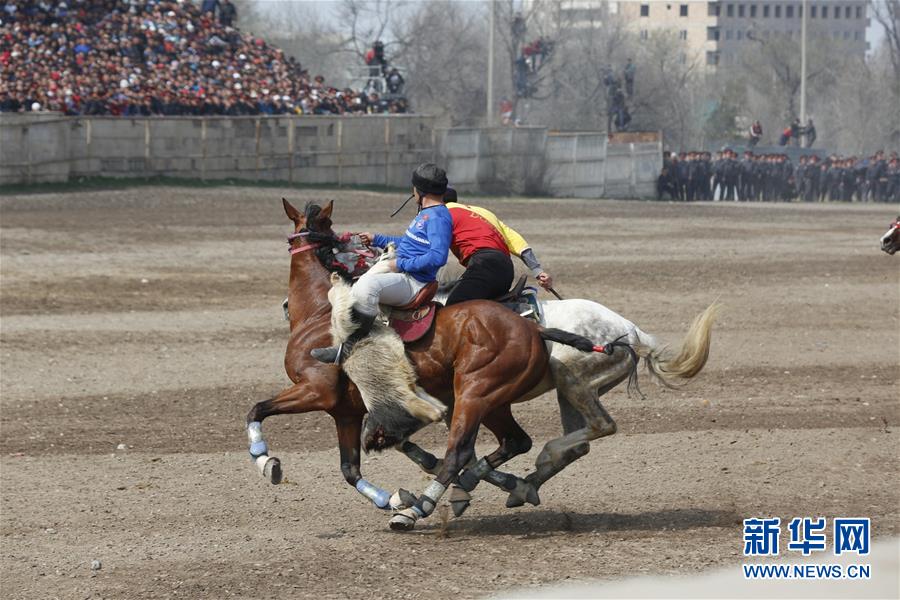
(140, 325)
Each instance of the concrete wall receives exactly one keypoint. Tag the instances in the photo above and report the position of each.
(496, 160)
(34, 147)
(533, 161)
(372, 150)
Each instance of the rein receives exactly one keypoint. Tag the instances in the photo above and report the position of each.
(335, 252)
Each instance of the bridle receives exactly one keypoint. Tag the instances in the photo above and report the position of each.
(298, 249)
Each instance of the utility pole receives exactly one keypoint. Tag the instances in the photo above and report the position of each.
(805, 9)
(490, 73)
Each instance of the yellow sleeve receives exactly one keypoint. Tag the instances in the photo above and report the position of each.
(514, 242)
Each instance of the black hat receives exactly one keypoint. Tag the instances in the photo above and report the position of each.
(450, 195)
(429, 178)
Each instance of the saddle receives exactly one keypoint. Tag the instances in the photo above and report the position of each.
(415, 318)
(523, 301)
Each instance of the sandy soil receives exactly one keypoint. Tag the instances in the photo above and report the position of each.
(151, 317)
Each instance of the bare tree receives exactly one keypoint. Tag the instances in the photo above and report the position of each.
(518, 24)
(366, 21)
(584, 52)
(887, 14)
(445, 71)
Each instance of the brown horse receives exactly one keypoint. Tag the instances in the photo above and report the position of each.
(479, 358)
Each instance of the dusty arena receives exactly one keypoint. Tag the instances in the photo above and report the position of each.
(139, 325)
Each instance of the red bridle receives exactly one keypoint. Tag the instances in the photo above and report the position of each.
(298, 249)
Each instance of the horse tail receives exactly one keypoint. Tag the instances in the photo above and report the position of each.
(691, 357)
(579, 342)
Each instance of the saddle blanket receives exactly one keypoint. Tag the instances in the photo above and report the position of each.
(412, 325)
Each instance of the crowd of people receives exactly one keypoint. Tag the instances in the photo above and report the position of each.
(689, 176)
(156, 57)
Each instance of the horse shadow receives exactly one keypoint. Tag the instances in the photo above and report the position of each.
(547, 523)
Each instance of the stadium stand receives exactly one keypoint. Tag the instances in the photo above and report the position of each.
(150, 57)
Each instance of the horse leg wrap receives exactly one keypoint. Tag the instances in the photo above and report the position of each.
(258, 445)
(379, 497)
(427, 461)
(268, 467)
(501, 480)
(429, 499)
(469, 478)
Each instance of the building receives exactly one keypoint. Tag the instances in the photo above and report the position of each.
(719, 31)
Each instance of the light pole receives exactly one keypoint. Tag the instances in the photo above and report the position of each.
(805, 9)
(490, 73)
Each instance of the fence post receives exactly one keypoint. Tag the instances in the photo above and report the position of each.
(25, 130)
(574, 165)
(340, 151)
(88, 142)
(387, 150)
(477, 181)
(605, 164)
(146, 147)
(203, 150)
(291, 121)
(258, 124)
(633, 172)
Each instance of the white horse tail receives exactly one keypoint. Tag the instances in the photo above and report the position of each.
(692, 356)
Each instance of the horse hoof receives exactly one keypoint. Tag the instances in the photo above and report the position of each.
(459, 500)
(272, 471)
(514, 501)
(523, 492)
(402, 499)
(531, 492)
(459, 508)
(404, 520)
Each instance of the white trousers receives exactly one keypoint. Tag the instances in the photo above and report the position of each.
(393, 289)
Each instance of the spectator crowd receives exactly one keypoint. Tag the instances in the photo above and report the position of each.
(691, 176)
(155, 57)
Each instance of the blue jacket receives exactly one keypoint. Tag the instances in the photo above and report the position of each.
(424, 248)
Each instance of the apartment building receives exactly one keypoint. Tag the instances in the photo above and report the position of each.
(717, 31)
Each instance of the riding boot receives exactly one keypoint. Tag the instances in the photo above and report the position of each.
(337, 354)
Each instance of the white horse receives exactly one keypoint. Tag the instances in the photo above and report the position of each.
(580, 379)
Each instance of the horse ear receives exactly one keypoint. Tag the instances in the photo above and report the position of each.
(292, 213)
(326, 210)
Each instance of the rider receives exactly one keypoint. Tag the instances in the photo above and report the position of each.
(420, 253)
(483, 244)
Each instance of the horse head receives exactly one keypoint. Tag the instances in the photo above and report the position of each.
(314, 218)
(890, 241)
